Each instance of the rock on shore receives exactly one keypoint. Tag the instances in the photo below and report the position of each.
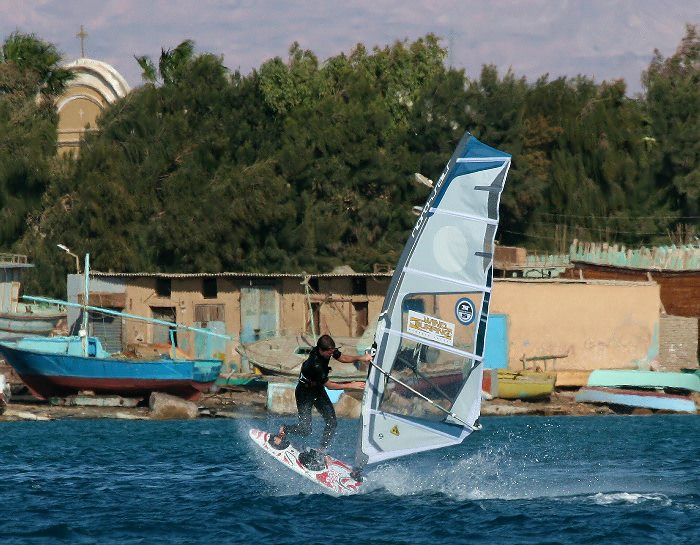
(167, 407)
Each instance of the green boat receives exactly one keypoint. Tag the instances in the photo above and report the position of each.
(658, 380)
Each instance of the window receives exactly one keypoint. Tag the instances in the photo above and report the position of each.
(361, 311)
(313, 283)
(209, 288)
(359, 286)
(209, 313)
(162, 334)
(163, 287)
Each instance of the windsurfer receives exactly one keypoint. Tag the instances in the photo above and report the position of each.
(310, 392)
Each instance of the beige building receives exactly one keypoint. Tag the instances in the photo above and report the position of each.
(95, 86)
(590, 323)
(247, 307)
(593, 324)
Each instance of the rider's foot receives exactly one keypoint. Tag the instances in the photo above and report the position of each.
(356, 474)
(279, 441)
(322, 455)
(313, 459)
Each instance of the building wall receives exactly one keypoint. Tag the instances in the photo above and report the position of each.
(101, 290)
(95, 86)
(143, 300)
(599, 325)
(338, 306)
(678, 342)
(680, 290)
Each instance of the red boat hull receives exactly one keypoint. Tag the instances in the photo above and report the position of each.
(61, 386)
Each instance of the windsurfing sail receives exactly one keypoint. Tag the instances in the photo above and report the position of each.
(424, 386)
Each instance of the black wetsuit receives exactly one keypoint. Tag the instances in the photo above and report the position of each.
(310, 392)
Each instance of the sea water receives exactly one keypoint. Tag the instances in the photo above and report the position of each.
(521, 480)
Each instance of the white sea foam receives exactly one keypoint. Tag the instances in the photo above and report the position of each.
(616, 498)
(484, 475)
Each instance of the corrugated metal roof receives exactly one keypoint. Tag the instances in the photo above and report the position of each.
(561, 280)
(237, 275)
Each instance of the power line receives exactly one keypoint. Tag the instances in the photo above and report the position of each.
(621, 217)
(609, 232)
(600, 229)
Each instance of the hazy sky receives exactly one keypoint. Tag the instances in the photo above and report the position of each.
(604, 39)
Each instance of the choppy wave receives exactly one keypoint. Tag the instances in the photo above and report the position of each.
(521, 480)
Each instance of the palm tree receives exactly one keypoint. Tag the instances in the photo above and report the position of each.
(42, 59)
(170, 65)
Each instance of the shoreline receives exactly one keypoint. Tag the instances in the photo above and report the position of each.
(251, 402)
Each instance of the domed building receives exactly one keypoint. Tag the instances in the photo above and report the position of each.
(96, 85)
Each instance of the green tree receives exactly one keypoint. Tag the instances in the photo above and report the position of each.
(171, 65)
(40, 59)
(672, 100)
(28, 67)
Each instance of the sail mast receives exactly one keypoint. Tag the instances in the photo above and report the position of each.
(86, 301)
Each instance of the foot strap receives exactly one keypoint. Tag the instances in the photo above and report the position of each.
(312, 460)
(283, 444)
(356, 474)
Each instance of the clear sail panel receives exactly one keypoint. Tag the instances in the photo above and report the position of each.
(434, 355)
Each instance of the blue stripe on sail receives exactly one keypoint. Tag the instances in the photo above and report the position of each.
(481, 332)
(478, 149)
(469, 167)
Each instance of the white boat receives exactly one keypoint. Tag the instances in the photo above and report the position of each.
(4, 393)
(282, 355)
(424, 387)
(19, 319)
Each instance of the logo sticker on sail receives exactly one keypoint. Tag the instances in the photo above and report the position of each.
(465, 311)
(430, 328)
(395, 431)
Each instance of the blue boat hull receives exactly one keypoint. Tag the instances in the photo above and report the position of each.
(51, 374)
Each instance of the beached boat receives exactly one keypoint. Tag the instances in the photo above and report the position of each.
(284, 354)
(571, 378)
(657, 380)
(61, 366)
(29, 320)
(524, 384)
(627, 397)
(18, 319)
(56, 367)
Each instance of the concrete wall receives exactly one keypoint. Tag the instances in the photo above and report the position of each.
(678, 342)
(338, 307)
(186, 294)
(341, 311)
(99, 288)
(599, 324)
